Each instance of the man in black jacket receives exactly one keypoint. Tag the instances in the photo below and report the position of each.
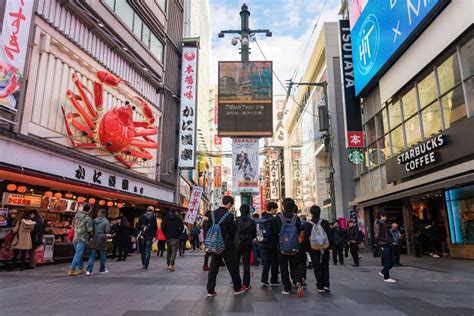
(146, 228)
(269, 253)
(352, 239)
(320, 258)
(384, 242)
(339, 240)
(229, 255)
(172, 228)
(246, 231)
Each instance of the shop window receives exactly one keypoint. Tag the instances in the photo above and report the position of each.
(449, 74)
(431, 117)
(394, 113)
(460, 206)
(371, 135)
(409, 103)
(467, 58)
(427, 90)
(385, 127)
(454, 108)
(398, 141)
(384, 145)
(413, 130)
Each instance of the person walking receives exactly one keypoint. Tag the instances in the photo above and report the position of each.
(183, 238)
(246, 231)
(36, 236)
(113, 231)
(123, 238)
(100, 227)
(146, 228)
(196, 231)
(256, 247)
(160, 236)
(383, 241)
(287, 229)
(82, 225)
(172, 228)
(397, 248)
(268, 244)
(220, 231)
(352, 238)
(22, 242)
(318, 240)
(339, 240)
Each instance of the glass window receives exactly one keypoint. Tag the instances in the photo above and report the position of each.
(162, 4)
(385, 146)
(394, 113)
(110, 3)
(146, 35)
(156, 47)
(409, 103)
(454, 108)
(427, 90)
(125, 12)
(370, 132)
(449, 74)
(460, 206)
(431, 117)
(413, 130)
(398, 142)
(470, 90)
(378, 156)
(137, 26)
(467, 58)
(385, 126)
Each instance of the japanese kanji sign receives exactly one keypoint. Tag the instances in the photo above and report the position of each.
(188, 114)
(275, 187)
(355, 139)
(193, 207)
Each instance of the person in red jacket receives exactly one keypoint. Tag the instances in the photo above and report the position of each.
(160, 236)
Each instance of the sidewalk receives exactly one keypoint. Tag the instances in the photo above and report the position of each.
(427, 287)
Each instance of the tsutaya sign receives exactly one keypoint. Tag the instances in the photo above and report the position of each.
(421, 155)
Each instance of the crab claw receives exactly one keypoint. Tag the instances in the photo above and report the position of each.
(146, 110)
(109, 79)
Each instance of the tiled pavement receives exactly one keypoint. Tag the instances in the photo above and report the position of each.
(427, 287)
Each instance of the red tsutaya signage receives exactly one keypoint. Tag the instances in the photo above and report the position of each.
(355, 139)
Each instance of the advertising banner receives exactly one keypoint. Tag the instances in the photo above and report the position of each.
(297, 189)
(279, 135)
(188, 107)
(3, 217)
(13, 199)
(245, 165)
(193, 207)
(245, 99)
(382, 30)
(217, 176)
(275, 188)
(13, 46)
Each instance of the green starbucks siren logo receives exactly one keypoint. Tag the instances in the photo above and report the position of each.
(356, 156)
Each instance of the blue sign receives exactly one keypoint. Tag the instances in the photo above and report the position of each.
(384, 29)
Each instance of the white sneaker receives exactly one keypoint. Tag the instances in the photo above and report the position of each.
(381, 274)
(104, 272)
(390, 280)
(88, 273)
(436, 256)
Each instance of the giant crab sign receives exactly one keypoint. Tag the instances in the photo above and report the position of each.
(115, 130)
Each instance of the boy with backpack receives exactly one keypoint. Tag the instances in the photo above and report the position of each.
(268, 243)
(219, 242)
(287, 229)
(246, 231)
(318, 239)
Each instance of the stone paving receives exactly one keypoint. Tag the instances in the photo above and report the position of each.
(427, 287)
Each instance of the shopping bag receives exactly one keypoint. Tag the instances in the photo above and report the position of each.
(188, 245)
(154, 246)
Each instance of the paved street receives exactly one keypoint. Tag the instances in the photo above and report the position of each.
(427, 287)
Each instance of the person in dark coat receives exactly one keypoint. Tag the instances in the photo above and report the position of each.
(269, 248)
(382, 238)
(246, 231)
(36, 236)
(172, 228)
(146, 229)
(339, 240)
(352, 238)
(123, 238)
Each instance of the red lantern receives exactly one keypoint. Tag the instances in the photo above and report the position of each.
(21, 189)
(91, 201)
(110, 203)
(68, 195)
(119, 205)
(11, 187)
(58, 195)
(101, 202)
(81, 199)
(48, 194)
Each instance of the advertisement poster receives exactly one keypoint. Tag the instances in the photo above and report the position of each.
(342, 222)
(245, 165)
(3, 217)
(245, 99)
(48, 248)
(193, 207)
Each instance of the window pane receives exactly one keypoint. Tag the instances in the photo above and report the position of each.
(454, 108)
(467, 57)
(427, 90)
(378, 156)
(409, 103)
(431, 117)
(470, 89)
(385, 146)
(385, 127)
(137, 26)
(449, 74)
(162, 4)
(370, 132)
(413, 130)
(156, 47)
(460, 209)
(398, 143)
(146, 35)
(125, 12)
(110, 3)
(394, 113)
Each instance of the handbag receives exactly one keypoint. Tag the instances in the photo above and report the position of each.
(70, 235)
(188, 245)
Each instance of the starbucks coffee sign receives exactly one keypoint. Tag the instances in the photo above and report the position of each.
(421, 155)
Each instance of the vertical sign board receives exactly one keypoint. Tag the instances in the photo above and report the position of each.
(188, 109)
(275, 190)
(193, 207)
(13, 46)
(382, 31)
(245, 98)
(352, 111)
(245, 165)
(297, 189)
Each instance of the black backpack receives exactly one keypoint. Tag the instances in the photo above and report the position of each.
(243, 236)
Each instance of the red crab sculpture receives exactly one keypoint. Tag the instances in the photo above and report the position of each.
(115, 130)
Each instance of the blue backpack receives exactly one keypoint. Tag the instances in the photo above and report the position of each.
(264, 230)
(288, 236)
(214, 240)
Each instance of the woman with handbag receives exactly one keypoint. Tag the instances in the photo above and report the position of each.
(22, 242)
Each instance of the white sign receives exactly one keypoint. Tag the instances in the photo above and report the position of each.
(245, 164)
(188, 114)
(275, 175)
(48, 248)
(194, 201)
(421, 155)
(13, 45)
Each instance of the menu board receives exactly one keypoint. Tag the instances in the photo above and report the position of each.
(62, 205)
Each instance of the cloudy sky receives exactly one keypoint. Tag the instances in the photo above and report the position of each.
(291, 22)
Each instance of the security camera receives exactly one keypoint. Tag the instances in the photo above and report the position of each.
(245, 41)
(235, 40)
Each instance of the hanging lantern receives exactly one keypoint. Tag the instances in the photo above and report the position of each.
(81, 199)
(68, 195)
(119, 205)
(58, 195)
(11, 187)
(91, 201)
(110, 203)
(21, 189)
(101, 202)
(48, 194)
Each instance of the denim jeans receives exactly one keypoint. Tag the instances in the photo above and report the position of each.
(77, 261)
(173, 245)
(145, 251)
(93, 255)
(388, 260)
(257, 254)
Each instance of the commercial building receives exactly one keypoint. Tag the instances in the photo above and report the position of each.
(414, 75)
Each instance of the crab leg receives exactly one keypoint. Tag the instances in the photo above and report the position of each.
(68, 118)
(141, 153)
(107, 78)
(127, 163)
(146, 110)
(72, 119)
(73, 99)
(145, 132)
(143, 144)
(82, 92)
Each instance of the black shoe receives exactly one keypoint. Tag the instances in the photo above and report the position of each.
(354, 265)
(334, 263)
